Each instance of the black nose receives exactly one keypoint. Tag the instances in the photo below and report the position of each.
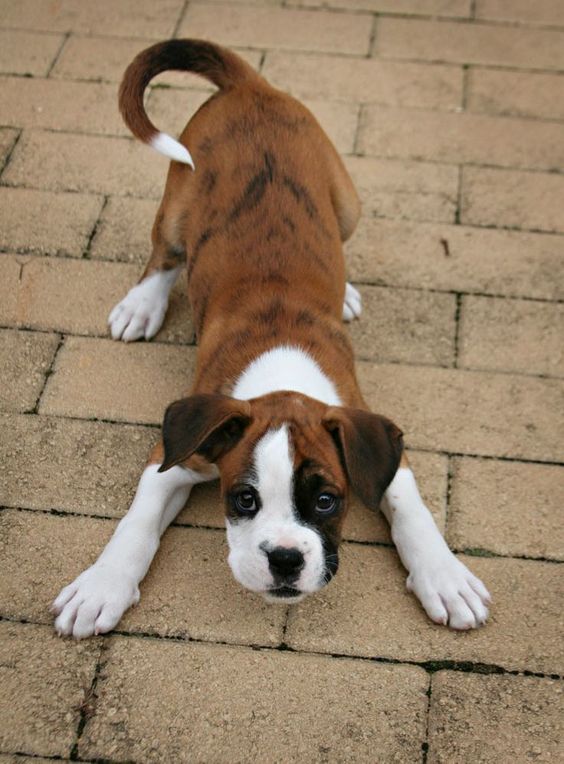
(285, 562)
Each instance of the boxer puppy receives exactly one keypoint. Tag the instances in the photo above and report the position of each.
(257, 204)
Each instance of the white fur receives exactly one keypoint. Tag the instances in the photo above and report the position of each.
(143, 309)
(275, 525)
(171, 148)
(448, 591)
(285, 368)
(352, 306)
(95, 601)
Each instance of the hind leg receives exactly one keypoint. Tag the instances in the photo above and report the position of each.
(142, 311)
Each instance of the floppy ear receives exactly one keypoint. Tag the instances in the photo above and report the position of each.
(208, 425)
(371, 448)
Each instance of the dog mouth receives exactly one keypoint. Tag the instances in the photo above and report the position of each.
(283, 594)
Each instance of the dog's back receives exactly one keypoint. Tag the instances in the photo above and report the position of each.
(261, 219)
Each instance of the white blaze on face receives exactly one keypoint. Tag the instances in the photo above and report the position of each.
(275, 524)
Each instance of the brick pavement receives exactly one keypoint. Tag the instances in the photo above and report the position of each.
(450, 115)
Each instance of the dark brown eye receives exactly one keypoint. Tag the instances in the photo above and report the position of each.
(245, 502)
(326, 502)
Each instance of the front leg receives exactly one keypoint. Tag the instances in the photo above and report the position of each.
(448, 591)
(95, 601)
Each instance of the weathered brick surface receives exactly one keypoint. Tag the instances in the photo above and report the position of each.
(124, 230)
(395, 326)
(28, 53)
(544, 12)
(298, 716)
(77, 296)
(95, 164)
(512, 199)
(134, 383)
(189, 591)
(507, 508)
(40, 221)
(453, 8)
(39, 103)
(456, 138)
(523, 94)
(7, 140)
(10, 271)
(459, 258)
(398, 188)
(44, 682)
(364, 80)
(27, 359)
(367, 611)
(261, 27)
(121, 18)
(472, 417)
(512, 335)
(71, 466)
(491, 44)
(494, 718)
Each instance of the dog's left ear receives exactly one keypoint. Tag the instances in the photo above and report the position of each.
(371, 448)
(208, 425)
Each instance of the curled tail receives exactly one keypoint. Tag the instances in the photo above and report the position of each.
(219, 65)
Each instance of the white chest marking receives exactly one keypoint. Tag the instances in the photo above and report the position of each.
(286, 368)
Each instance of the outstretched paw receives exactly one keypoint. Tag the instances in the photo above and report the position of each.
(352, 306)
(450, 593)
(94, 602)
(142, 311)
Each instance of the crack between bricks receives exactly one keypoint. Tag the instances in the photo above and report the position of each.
(87, 708)
(55, 60)
(430, 666)
(48, 373)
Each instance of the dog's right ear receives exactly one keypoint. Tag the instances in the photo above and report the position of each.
(208, 425)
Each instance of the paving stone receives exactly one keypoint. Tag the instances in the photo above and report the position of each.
(124, 230)
(188, 592)
(10, 271)
(396, 188)
(512, 199)
(471, 43)
(44, 222)
(134, 382)
(466, 412)
(549, 12)
(105, 59)
(367, 611)
(380, 707)
(7, 139)
(263, 27)
(17, 759)
(118, 18)
(170, 108)
(27, 358)
(77, 296)
(494, 718)
(72, 466)
(454, 257)
(511, 335)
(522, 94)
(86, 163)
(364, 80)
(340, 122)
(448, 8)
(460, 138)
(507, 508)
(44, 683)
(28, 53)
(40, 103)
(405, 326)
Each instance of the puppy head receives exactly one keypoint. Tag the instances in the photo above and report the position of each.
(286, 463)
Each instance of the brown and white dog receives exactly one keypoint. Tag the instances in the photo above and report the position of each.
(275, 409)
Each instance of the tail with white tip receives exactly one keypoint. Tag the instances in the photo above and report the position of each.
(218, 65)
